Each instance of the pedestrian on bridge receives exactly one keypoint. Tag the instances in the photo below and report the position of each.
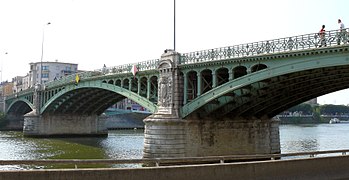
(342, 35)
(322, 36)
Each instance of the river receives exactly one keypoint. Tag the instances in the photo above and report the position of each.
(126, 144)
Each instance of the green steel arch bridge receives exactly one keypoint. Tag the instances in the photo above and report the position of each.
(199, 98)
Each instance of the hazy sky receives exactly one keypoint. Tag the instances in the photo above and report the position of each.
(114, 32)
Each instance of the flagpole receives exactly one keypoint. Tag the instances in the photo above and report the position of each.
(174, 25)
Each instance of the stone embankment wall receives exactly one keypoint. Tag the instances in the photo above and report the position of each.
(126, 121)
(316, 168)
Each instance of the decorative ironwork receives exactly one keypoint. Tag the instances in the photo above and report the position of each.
(302, 42)
(126, 68)
(71, 78)
(21, 93)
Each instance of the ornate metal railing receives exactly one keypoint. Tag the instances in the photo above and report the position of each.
(301, 42)
(71, 78)
(20, 93)
(126, 68)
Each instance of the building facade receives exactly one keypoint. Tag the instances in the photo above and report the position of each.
(7, 88)
(49, 71)
(17, 83)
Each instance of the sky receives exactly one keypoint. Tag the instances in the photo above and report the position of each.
(92, 33)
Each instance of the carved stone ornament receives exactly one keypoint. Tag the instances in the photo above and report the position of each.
(165, 91)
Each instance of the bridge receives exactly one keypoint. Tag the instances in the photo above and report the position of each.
(218, 101)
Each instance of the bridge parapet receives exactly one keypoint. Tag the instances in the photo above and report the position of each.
(121, 69)
(127, 68)
(301, 42)
(20, 93)
(71, 78)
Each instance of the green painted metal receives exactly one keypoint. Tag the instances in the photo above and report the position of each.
(285, 63)
(100, 85)
(20, 99)
(280, 57)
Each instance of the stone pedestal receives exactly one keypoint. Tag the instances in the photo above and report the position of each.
(164, 137)
(232, 137)
(167, 137)
(63, 125)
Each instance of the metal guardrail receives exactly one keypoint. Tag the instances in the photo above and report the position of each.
(71, 78)
(20, 93)
(126, 68)
(301, 42)
(173, 161)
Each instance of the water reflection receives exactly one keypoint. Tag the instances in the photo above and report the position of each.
(124, 144)
(118, 145)
(318, 137)
(128, 144)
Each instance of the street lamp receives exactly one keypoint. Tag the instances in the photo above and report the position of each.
(1, 68)
(42, 50)
(174, 25)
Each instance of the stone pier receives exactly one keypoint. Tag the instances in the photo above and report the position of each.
(191, 138)
(232, 137)
(64, 125)
(14, 122)
(168, 135)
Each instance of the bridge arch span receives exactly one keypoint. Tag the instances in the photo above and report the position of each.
(20, 106)
(267, 92)
(91, 98)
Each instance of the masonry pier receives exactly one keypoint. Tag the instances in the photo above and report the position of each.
(64, 125)
(192, 138)
(167, 134)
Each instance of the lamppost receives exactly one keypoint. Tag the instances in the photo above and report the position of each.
(174, 25)
(1, 67)
(42, 50)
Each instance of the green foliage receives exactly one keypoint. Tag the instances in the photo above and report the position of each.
(330, 109)
(305, 108)
(317, 111)
(317, 114)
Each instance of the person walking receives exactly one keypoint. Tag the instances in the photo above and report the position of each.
(342, 32)
(322, 36)
(341, 25)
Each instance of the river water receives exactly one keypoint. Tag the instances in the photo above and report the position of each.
(126, 144)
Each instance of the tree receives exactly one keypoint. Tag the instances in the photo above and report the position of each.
(305, 108)
(330, 109)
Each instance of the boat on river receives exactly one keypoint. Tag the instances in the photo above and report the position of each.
(334, 121)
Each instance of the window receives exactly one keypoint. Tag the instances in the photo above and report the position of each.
(44, 67)
(44, 75)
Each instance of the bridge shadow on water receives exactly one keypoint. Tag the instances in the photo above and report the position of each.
(119, 144)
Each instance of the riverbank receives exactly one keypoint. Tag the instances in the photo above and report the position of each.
(310, 168)
(308, 119)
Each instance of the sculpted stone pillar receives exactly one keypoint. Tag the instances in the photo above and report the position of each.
(168, 135)
(165, 130)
